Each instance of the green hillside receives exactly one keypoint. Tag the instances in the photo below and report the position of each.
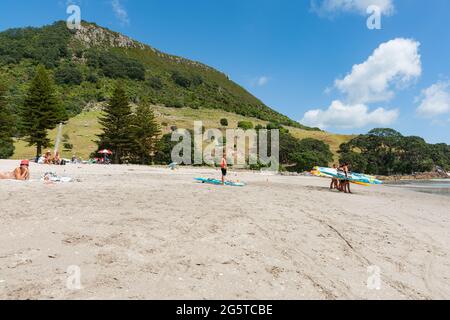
(83, 128)
(87, 63)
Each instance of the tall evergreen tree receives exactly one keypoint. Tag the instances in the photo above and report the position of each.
(146, 132)
(42, 111)
(117, 131)
(6, 127)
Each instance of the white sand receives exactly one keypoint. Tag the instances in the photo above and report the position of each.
(139, 232)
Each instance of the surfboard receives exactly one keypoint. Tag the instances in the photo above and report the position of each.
(357, 178)
(219, 182)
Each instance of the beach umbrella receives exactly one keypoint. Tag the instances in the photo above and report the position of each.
(105, 151)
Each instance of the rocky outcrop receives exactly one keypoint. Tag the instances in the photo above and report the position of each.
(91, 35)
(94, 36)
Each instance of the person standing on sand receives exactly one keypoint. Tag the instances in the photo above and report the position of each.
(224, 167)
(347, 175)
(22, 173)
(344, 173)
(341, 176)
(334, 181)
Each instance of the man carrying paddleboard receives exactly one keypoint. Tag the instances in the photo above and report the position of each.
(224, 167)
(345, 183)
(334, 182)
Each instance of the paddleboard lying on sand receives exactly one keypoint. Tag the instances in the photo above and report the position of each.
(219, 182)
(357, 178)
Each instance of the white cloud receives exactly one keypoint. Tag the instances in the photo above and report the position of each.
(435, 100)
(331, 7)
(120, 12)
(393, 63)
(260, 81)
(342, 116)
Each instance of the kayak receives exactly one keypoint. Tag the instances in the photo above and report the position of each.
(357, 178)
(219, 182)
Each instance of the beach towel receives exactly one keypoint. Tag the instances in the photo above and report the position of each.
(53, 177)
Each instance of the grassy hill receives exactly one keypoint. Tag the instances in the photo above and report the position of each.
(83, 128)
(86, 64)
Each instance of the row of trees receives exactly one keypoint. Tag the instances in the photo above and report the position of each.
(6, 128)
(388, 152)
(41, 111)
(115, 65)
(47, 45)
(132, 136)
(302, 155)
(295, 155)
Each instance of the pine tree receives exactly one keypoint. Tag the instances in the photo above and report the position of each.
(146, 132)
(42, 111)
(6, 127)
(117, 132)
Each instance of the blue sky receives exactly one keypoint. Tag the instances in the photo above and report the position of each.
(298, 56)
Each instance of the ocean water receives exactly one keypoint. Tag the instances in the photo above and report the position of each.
(437, 186)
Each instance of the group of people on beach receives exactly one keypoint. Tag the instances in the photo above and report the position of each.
(342, 183)
(48, 158)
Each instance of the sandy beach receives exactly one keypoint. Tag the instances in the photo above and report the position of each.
(151, 233)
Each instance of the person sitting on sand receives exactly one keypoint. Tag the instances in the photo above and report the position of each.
(48, 157)
(224, 167)
(22, 173)
(57, 159)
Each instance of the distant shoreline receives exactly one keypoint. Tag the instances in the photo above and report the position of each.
(415, 177)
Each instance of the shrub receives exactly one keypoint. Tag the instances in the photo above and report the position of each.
(245, 125)
(224, 122)
(273, 126)
(92, 78)
(155, 83)
(115, 65)
(197, 80)
(181, 80)
(69, 74)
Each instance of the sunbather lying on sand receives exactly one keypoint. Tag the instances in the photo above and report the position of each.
(22, 173)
